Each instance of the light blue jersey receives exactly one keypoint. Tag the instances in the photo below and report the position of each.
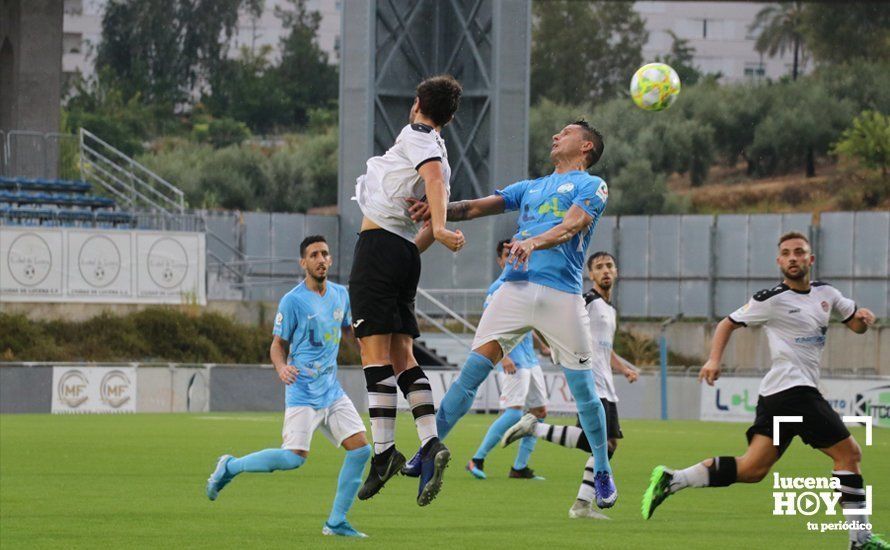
(543, 204)
(523, 355)
(313, 324)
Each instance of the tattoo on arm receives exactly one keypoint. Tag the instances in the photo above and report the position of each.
(457, 211)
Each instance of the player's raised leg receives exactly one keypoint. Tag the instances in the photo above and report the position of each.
(720, 471)
(415, 386)
(265, 461)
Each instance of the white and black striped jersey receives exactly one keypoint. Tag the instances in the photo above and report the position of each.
(796, 323)
(603, 321)
(392, 178)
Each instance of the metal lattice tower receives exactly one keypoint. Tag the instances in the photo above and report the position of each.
(389, 46)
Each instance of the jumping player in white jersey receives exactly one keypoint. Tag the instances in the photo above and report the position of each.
(795, 317)
(542, 288)
(384, 277)
(603, 272)
(307, 332)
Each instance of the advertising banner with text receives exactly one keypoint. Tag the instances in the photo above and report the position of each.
(734, 399)
(41, 264)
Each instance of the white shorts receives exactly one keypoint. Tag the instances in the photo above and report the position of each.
(337, 422)
(518, 307)
(524, 388)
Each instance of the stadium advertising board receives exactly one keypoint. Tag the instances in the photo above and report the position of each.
(734, 399)
(94, 265)
(82, 390)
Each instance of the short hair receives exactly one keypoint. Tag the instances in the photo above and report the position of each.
(502, 245)
(311, 239)
(596, 255)
(439, 98)
(592, 134)
(793, 235)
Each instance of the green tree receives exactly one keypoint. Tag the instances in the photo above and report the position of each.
(841, 32)
(781, 29)
(801, 124)
(584, 51)
(868, 139)
(305, 77)
(246, 89)
(681, 58)
(162, 49)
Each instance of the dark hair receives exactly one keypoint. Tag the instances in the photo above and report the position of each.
(439, 98)
(793, 235)
(502, 245)
(311, 239)
(596, 255)
(592, 134)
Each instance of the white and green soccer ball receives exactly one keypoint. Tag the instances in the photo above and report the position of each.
(655, 86)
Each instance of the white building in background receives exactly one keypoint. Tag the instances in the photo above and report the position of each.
(719, 33)
(82, 31)
(717, 30)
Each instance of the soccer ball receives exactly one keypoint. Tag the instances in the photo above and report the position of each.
(654, 87)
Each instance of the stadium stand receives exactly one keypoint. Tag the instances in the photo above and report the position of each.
(57, 202)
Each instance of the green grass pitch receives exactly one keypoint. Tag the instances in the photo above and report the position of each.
(138, 481)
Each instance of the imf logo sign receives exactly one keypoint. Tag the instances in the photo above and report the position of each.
(72, 388)
(114, 389)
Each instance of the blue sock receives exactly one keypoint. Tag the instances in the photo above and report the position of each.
(348, 483)
(460, 395)
(591, 414)
(526, 446)
(267, 460)
(496, 431)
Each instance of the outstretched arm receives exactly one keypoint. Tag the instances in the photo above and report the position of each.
(576, 219)
(711, 371)
(460, 210)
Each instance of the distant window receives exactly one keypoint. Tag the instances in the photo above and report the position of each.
(755, 72)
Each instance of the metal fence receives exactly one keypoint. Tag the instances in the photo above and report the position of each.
(707, 266)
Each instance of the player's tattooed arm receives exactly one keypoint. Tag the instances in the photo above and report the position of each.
(460, 210)
(711, 370)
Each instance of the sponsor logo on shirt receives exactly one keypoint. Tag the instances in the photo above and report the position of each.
(603, 192)
(818, 340)
(825, 306)
(565, 188)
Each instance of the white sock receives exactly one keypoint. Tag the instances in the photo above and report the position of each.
(693, 476)
(382, 402)
(567, 436)
(586, 490)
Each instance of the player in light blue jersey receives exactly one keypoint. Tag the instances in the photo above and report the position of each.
(308, 327)
(542, 288)
(522, 386)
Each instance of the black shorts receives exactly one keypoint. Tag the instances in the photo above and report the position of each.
(383, 284)
(821, 428)
(613, 428)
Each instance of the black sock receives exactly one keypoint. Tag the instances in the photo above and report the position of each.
(722, 472)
